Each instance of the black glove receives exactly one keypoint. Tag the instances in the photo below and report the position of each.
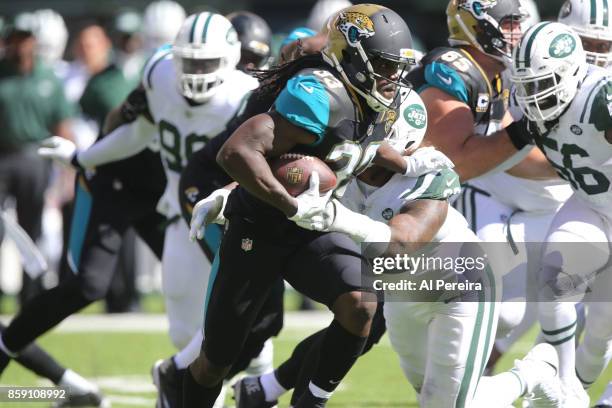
(519, 133)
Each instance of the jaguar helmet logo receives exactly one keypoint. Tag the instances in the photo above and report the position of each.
(355, 27)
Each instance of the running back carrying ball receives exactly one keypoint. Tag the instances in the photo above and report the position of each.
(293, 171)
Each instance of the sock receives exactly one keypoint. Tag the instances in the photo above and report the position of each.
(183, 358)
(499, 391)
(558, 321)
(264, 362)
(339, 351)
(272, 388)
(318, 392)
(37, 360)
(196, 395)
(75, 384)
(287, 373)
(592, 356)
(5, 349)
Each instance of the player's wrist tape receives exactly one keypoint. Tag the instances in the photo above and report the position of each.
(519, 133)
(375, 235)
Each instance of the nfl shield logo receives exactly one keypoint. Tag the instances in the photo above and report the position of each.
(247, 244)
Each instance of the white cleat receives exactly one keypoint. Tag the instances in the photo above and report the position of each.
(539, 369)
(574, 395)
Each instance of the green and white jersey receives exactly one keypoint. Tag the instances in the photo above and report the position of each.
(382, 203)
(576, 144)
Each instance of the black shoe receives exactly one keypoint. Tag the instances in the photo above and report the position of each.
(307, 400)
(249, 393)
(167, 379)
(91, 399)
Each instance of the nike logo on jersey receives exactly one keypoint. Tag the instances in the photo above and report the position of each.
(451, 181)
(308, 89)
(444, 79)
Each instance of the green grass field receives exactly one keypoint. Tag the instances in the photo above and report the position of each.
(120, 363)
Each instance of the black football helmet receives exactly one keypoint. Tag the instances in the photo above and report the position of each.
(255, 36)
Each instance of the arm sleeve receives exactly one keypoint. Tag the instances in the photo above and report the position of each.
(305, 103)
(434, 186)
(123, 142)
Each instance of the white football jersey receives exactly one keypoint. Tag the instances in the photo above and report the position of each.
(576, 144)
(382, 203)
(184, 128)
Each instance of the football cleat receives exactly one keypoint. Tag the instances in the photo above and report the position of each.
(249, 393)
(539, 369)
(574, 395)
(90, 399)
(166, 378)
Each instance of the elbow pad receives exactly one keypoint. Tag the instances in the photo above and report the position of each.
(135, 104)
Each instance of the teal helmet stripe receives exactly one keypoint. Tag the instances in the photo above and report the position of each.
(606, 14)
(593, 11)
(527, 50)
(205, 30)
(193, 28)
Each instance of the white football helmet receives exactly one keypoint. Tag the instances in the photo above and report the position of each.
(409, 129)
(205, 50)
(592, 20)
(548, 66)
(162, 20)
(49, 30)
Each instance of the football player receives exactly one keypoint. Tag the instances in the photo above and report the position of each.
(331, 105)
(463, 89)
(255, 39)
(590, 20)
(567, 103)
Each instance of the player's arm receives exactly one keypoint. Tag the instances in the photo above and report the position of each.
(534, 166)
(135, 105)
(418, 223)
(451, 130)
(244, 156)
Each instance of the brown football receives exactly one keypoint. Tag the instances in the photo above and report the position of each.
(293, 171)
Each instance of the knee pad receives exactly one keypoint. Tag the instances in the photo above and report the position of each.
(510, 316)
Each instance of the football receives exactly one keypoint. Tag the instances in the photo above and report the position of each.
(293, 171)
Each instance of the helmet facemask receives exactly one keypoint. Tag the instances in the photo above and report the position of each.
(598, 50)
(199, 77)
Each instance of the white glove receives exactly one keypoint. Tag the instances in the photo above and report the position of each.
(59, 149)
(426, 160)
(206, 211)
(311, 209)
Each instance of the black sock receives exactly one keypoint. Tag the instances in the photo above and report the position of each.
(196, 395)
(339, 351)
(288, 372)
(37, 360)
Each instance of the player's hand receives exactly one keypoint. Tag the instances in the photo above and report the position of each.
(206, 211)
(426, 160)
(311, 212)
(59, 149)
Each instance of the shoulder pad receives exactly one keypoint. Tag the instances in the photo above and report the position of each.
(147, 73)
(454, 73)
(599, 105)
(435, 186)
(305, 102)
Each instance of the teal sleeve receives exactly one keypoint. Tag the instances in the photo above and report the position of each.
(305, 103)
(445, 78)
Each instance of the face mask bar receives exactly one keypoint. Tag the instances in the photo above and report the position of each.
(538, 96)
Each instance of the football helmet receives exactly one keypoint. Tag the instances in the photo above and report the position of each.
(549, 65)
(255, 36)
(205, 50)
(160, 23)
(409, 129)
(593, 23)
(479, 23)
(367, 42)
(49, 30)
